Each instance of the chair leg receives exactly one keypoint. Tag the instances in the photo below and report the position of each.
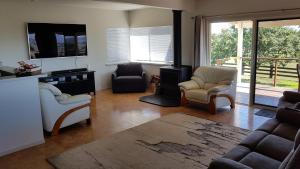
(55, 132)
(212, 104)
(183, 100)
(89, 121)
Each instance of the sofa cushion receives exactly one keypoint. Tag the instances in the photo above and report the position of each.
(130, 69)
(253, 139)
(237, 153)
(291, 96)
(294, 161)
(288, 115)
(224, 163)
(286, 160)
(259, 161)
(269, 126)
(286, 131)
(197, 94)
(275, 147)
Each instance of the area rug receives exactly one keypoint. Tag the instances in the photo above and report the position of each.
(266, 113)
(160, 100)
(175, 141)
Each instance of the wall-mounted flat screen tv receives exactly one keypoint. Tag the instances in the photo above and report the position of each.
(48, 40)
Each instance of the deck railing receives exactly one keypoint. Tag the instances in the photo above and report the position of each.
(273, 70)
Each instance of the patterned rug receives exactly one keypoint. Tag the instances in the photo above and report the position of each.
(175, 141)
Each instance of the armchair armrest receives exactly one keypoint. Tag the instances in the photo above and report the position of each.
(289, 115)
(143, 74)
(188, 85)
(219, 88)
(114, 75)
(291, 96)
(76, 99)
(224, 163)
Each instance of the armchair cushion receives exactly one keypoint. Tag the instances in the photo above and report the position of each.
(62, 97)
(129, 77)
(129, 69)
(200, 95)
(219, 88)
(54, 90)
(76, 99)
(188, 85)
(199, 81)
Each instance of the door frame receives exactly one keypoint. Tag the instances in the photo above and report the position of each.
(254, 58)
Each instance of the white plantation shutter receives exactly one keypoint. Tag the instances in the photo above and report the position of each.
(147, 44)
(117, 45)
(151, 44)
(161, 44)
(139, 44)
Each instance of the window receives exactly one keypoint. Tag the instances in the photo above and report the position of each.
(117, 45)
(151, 44)
(148, 44)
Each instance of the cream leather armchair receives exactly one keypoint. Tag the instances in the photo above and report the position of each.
(60, 110)
(215, 86)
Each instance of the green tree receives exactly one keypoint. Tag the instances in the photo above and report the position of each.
(273, 42)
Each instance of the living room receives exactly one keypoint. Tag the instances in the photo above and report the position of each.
(163, 124)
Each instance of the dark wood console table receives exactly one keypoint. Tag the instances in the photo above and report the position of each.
(74, 81)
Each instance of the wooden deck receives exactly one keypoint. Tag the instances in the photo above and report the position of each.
(266, 95)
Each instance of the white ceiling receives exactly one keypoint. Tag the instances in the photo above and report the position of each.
(100, 4)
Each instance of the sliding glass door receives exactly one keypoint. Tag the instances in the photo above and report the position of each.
(231, 46)
(277, 55)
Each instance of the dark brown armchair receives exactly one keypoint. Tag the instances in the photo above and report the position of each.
(129, 78)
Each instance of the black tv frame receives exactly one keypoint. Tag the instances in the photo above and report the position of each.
(67, 24)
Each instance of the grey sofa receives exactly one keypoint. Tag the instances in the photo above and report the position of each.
(129, 78)
(290, 99)
(274, 145)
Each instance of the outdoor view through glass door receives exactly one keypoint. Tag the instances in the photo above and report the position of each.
(278, 52)
(231, 45)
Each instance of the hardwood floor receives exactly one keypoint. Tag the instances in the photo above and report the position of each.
(113, 113)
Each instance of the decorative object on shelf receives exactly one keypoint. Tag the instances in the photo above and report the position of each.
(28, 69)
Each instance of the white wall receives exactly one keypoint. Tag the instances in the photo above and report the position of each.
(188, 5)
(163, 17)
(221, 7)
(13, 40)
(21, 123)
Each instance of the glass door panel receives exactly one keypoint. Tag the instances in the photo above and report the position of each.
(231, 46)
(278, 52)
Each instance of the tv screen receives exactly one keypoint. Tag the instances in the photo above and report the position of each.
(56, 40)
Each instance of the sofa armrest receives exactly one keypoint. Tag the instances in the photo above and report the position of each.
(188, 85)
(219, 88)
(224, 163)
(291, 96)
(289, 115)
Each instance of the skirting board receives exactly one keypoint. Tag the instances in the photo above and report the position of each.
(12, 150)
